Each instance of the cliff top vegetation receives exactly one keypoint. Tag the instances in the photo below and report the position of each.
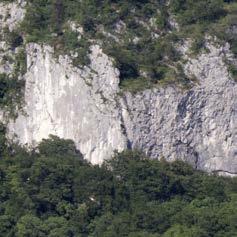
(141, 36)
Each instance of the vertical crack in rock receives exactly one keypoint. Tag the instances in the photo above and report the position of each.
(124, 109)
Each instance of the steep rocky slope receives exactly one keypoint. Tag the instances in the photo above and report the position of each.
(198, 125)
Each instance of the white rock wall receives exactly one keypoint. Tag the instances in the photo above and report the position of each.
(71, 103)
(198, 125)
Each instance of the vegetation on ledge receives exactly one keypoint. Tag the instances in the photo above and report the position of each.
(139, 35)
(53, 192)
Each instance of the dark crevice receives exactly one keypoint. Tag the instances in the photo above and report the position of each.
(225, 171)
(124, 130)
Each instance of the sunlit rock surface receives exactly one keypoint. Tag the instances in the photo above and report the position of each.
(85, 104)
(198, 125)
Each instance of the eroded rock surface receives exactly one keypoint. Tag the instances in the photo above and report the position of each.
(198, 125)
(86, 105)
(11, 14)
(71, 103)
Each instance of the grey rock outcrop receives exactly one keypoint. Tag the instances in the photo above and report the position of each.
(11, 14)
(198, 125)
(86, 105)
(71, 103)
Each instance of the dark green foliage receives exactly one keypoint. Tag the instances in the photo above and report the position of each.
(12, 85)
(20, 64)
(58, 147)
(11, 92)
(46, 21)
(53, 192)
(202, 11)
(143, 47)
(3, 140)
(213, 17)
(13, 38)
(233, 71)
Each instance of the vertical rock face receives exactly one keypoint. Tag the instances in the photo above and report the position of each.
(86, 105)
(71, 103)
(199, 125)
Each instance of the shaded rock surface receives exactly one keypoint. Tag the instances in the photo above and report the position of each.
(198, 125)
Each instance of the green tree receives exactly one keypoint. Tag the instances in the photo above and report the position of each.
(29, 226)
(183, 231)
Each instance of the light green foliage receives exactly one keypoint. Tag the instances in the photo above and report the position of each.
(54, 192)
(191, 12)
(29, 226)
(214, 17)
(183, 231)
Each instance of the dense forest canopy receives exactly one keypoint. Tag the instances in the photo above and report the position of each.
(54, 192)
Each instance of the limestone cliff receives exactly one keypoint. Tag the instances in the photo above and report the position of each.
(198, 125)
(71, 103)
